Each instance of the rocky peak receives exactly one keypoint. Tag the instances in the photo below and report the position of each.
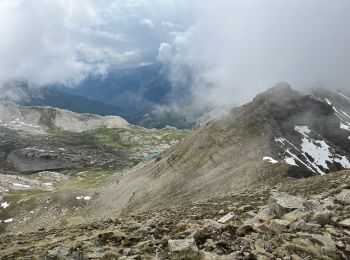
(282, 92)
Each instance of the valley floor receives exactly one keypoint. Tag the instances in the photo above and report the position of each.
(294, 219)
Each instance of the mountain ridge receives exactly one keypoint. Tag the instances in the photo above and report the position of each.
(42, 118)
(228, 154)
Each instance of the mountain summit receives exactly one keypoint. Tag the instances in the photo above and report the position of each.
(280, 133)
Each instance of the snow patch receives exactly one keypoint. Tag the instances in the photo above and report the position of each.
(290, 161)
(83, 197)
(304, 130)
(4, 205)
(344, 126)
(271, 160)
(328, 102)
(347, 98)
(21, 185)
(8, 220)
(314, 154)
(318, 150)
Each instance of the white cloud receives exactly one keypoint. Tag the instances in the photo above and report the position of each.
(236, 48)
(148, 22)
(63, 41)
(225, 50)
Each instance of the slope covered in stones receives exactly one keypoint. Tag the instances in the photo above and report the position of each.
(294, 219)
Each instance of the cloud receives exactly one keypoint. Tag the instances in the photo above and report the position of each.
(225, 51)
(235, 49)
(46, 42)
(147, 22)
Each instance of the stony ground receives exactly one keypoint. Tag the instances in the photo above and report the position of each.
(297, 219)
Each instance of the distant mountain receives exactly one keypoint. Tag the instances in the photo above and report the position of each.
(56, 98)
(143, 96)
(42, 118)
(138, 91)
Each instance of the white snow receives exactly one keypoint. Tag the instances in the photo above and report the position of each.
(314, 154)
(347, 98)
(344, 126)
(8, 220)
(318, 150)
(83, 197)
(343, 161)
(280, 140)
(4, 205)
(269, 159)
(328, 102)
(290, 161)
(345, 114)
(21, 185)
(48, 183)
(299, 160)
(304, 130)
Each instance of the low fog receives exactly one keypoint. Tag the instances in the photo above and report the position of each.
(231, 49)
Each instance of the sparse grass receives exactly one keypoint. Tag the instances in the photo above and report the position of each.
(306, 250)
(89, 179)
(186, 256)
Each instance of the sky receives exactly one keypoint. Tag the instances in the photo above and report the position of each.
(232, 48)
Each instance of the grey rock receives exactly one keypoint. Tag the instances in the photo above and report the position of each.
(325, 241)
(301, 225)
(180, 245)
(278, 225)
(126, 251)
(344, 197)
(313, 205)
(345, 223)
(212, 224)
(286, 201)
(227, 218)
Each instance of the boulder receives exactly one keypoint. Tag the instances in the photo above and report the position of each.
(227, 218)
(278, 225)
(180, 245)
(326, 241)
(283, 203)
(344, 197)
(345, 223)
(301, 225)
(313, 205)
(212, 224)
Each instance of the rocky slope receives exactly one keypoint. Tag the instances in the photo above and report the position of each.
(42, 119)
(295, 219)
(280, 133)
